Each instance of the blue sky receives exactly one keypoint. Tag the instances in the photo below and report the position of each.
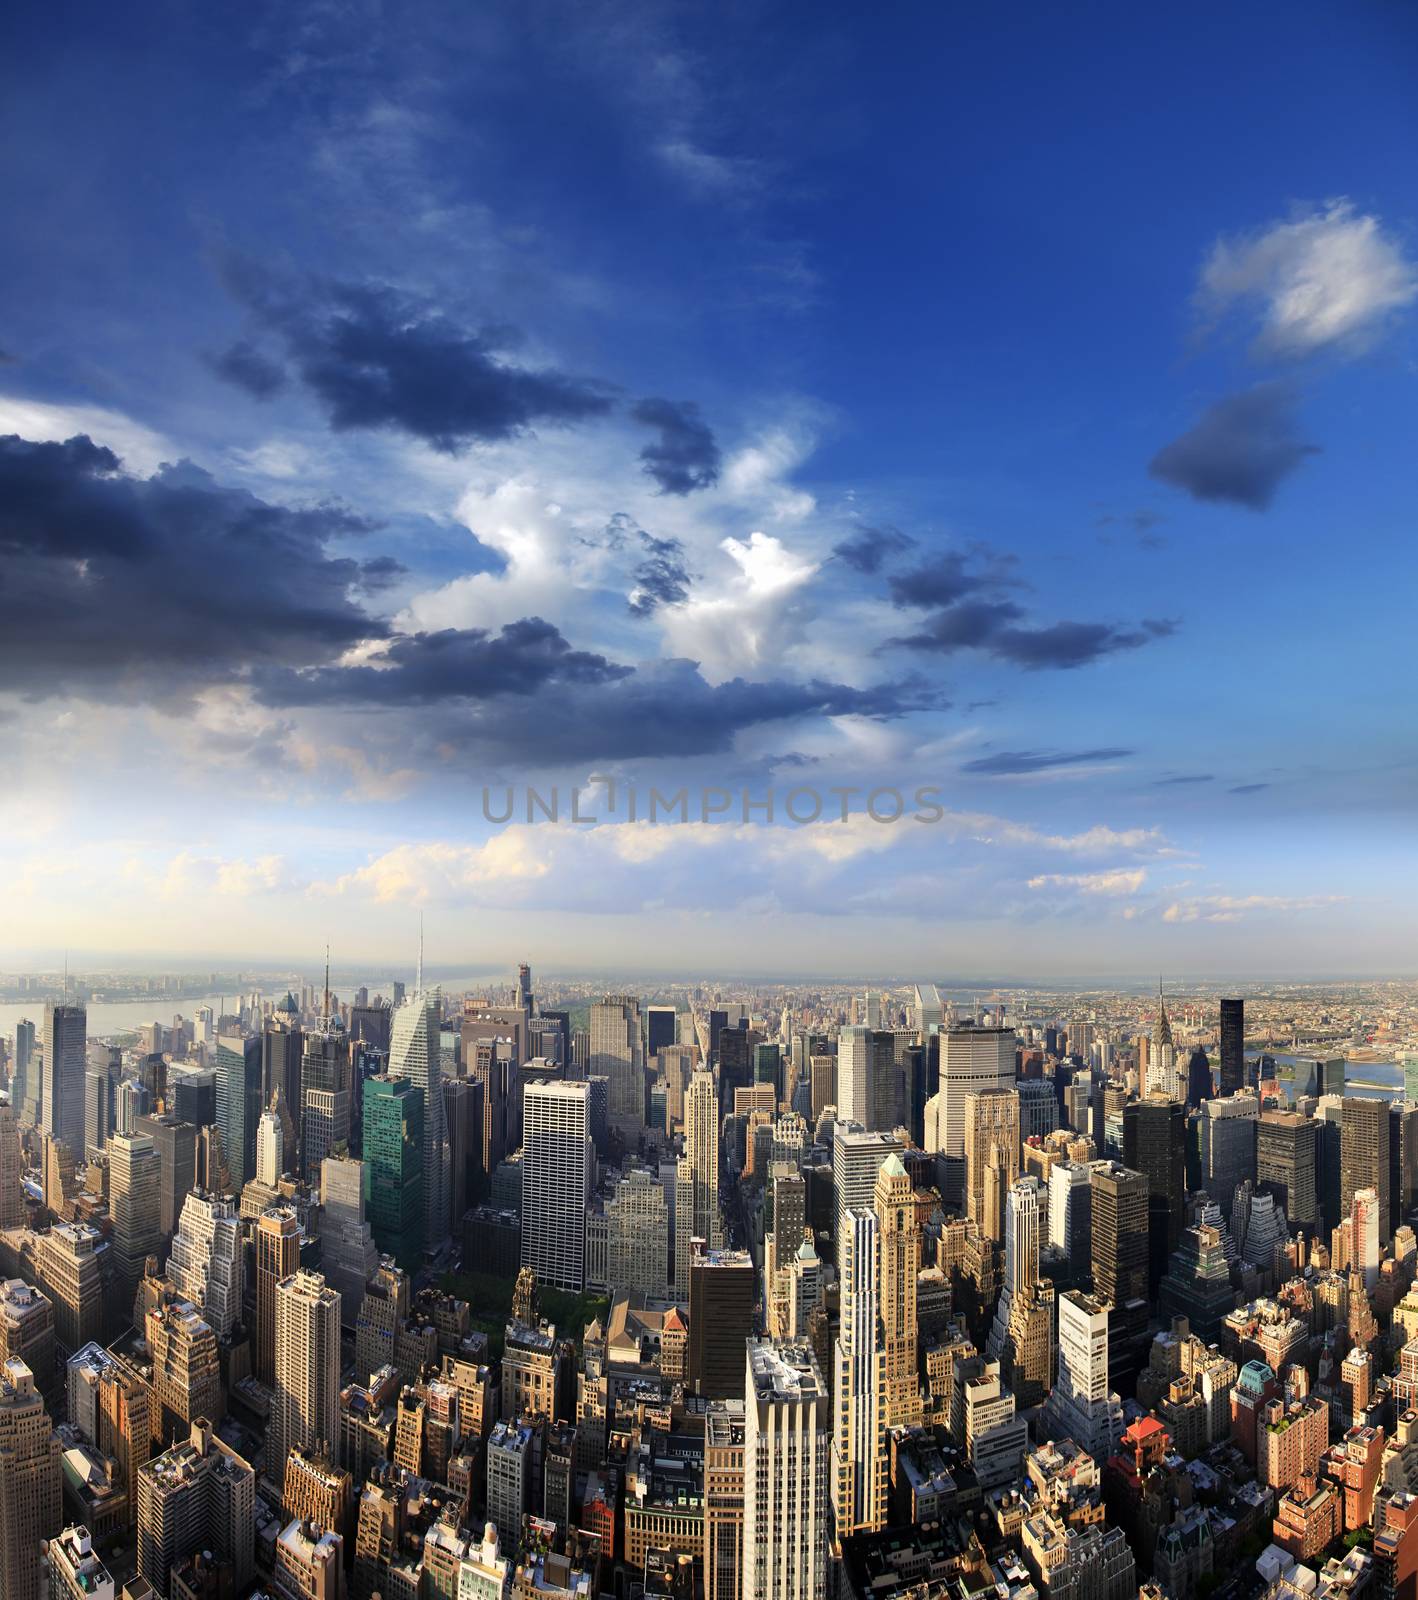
(1014, 399)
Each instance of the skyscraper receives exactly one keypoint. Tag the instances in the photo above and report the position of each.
(270, 1150)
(787, 1445)
(133, 1205)
(991, 1151)
(238, 1081)
(24, 1079)
(325, 1093)
(697, 1177)
(723, 1286)
(414, 1054)
(867, 1077)
(30, 1505)
(1233, 1045)
(1120, 1240)
(175, 1142)
(305, 1407)
(617, 1055)
(98, 1107)
(1287, 1145)
(277, 1239)
(971, 1059)
(393, 1167)
(207, 1262)
(1081, 1405)
(65, 1061)
(659, 1028)
(1162, 1058)
(1364, 1155)
(558, 1165)
(1226, 1134)
(858, 1464)
(1155, 1144)
(898, 1231)
(12, 1195)
(199, 1495)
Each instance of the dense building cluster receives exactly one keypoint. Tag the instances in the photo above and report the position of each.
(797, 1294)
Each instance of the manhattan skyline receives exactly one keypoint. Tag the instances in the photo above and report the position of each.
(1015, 404)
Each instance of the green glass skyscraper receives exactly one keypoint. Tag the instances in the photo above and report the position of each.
(393, 1167)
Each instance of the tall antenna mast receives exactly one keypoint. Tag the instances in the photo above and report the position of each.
(327, 985)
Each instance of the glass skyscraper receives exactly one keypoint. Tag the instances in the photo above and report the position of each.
(393, 1167)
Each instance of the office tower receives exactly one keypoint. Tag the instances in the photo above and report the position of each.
(971, 1059)
(858, 1464)
(1071, 1213)
(991, 1149)
(175, 1143)
(867, 1078)
(207, 1261)
(618, 1056)
(1233, 1045)
(414, 1054)
(348, 1254)
(325, 1094)
(1081, 1405)
(509, 1478)
(24, 1077)
(1162, 1057)
(98, 1108)
(735, 1061)
(29, 1482)
(186, 1366)
(133, 1205)
(659, 1029)
(282, 1052)
(270, 1150)
(27, 1328)
(12, 1195)
(1022, 1234)
(1287, 1146)
(1363, 1237)
(305, 1407)
(130, 1101)
(1120, 1248)
(68, 1269)
(1226, 1132)
(723, 1499)
(198, 1496)
(75, 1570)
(1403, 1162)
(898, 1229)
(194, 1097)
(1199, 1086)
(558, 1167)
(638, 1220)
(723, 1287)
(928, 1011)
(65, 1062)
(318, 1491)
(697, 1213)
(1155, 1144)
(1364, 1155)
(393, 1168)
(61, 1184)
(857, 1157)
(462, 1116)
(822, 1075)
(787, 1445)
(238, 1095)
(1197, 1283)
(277, 1241)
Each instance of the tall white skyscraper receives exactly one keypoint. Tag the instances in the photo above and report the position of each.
(971, 1059)
(305, 1407)
(207, 1262)
(857, 1157)
(270, 1149)
(697, 1177)
(414, 1048)
(133, 1205)
(1022, 1217)
(1080, 1406)
(786, 1460)
(618, 1055)
(558, 1167)
(858, 1460)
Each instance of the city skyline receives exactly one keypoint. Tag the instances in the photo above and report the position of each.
(931, 433)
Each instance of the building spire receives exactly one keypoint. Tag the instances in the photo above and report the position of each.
(327, 985)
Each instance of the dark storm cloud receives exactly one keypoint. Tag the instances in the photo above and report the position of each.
(662, 578)
(940, 582)
(663, 709)
(1011, 763)
(994, 627)
(452, 664)
(374, 358)
(869, 549)
(379, 572)
(685, 457)
(114, 586)
(1240, 451)
(245, 366)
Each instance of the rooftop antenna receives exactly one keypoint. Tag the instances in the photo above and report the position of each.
(418, 981)
(327, 985)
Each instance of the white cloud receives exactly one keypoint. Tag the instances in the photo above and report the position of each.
(142, 450)
(1327, 279)
(1119, 881)
(1232, 908)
